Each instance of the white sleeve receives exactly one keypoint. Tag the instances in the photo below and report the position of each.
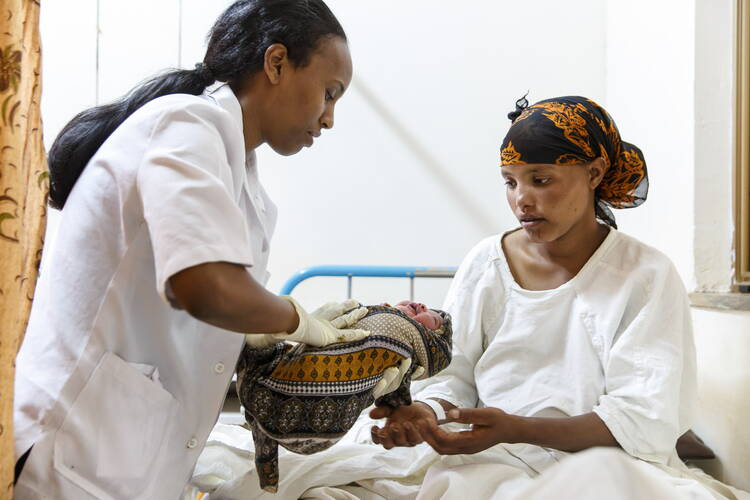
(187, 190)
(650, 373)
(465, 303)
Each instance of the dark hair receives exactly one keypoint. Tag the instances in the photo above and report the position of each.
(521, 105)
(236, 49)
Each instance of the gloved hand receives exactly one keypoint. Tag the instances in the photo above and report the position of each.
(393, 376)
(340, 314)
(260, 340)
(318, 331)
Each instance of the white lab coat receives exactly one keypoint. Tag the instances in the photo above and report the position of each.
(616, 340)
(116, 390)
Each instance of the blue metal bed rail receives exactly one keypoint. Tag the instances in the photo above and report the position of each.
(350, 272)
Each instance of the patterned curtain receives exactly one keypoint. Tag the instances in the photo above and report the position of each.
(23, 196)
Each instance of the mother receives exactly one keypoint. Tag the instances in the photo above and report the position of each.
(569, 334)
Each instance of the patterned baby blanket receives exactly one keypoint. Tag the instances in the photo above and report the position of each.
(306, 398)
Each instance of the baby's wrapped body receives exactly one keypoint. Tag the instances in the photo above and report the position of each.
(306, 398)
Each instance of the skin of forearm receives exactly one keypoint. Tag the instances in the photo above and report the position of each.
(226, 295)
(565, 434)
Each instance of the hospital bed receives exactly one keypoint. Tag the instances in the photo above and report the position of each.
(231, 411)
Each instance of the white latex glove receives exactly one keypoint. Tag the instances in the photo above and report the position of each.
(393, 376)
(260, 340)
(340, 314)
(319, 332)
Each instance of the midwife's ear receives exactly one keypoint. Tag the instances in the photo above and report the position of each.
(596, 171)
(276, 62)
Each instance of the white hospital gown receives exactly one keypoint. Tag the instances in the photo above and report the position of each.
(616, 340)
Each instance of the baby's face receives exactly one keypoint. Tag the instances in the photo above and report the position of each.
(420, 313)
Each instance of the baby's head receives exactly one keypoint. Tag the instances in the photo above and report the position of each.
(420, 313)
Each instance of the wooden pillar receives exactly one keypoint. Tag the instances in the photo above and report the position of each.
(23, 195)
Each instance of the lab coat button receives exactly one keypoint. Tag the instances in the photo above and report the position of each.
(219, 367)
(192, 443)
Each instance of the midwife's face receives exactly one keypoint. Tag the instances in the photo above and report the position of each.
(420, 313)
(548, 200)
(303, 101)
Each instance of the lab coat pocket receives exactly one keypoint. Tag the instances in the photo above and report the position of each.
(114, 431)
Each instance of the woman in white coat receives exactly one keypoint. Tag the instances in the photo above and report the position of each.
(160, 257)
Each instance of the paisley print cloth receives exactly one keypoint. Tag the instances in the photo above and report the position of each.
(306, 398)
(575, 130)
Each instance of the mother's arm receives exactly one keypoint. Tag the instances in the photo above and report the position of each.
(491, 426)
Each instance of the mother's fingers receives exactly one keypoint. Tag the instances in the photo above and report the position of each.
(452, 443)
(396, 435)
(413, 436)
(381, 412)
(375, 434)
(382, 438)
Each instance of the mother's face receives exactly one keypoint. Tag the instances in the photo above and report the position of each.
(548, 200)
(302, 101)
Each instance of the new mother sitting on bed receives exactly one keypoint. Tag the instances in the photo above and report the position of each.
(568, 334)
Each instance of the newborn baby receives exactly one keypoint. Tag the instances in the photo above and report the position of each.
(306, 398)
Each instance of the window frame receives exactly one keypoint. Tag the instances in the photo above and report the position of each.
(742, 151)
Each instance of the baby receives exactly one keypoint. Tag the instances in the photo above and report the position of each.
(306, 398)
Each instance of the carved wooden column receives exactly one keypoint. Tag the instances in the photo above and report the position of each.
(23, 196)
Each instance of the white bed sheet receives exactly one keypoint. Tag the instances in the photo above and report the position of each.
(355, 468)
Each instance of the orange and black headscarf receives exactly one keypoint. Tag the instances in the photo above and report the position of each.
(574, 130)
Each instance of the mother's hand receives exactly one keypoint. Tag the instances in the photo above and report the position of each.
(403, 425)
(489, 426)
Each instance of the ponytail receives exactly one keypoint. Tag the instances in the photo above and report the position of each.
(236, 50)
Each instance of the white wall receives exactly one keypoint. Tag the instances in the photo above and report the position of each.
(722, 337)
(414, 152)
(68, 71)
(447, 77)
(670, 86)
(714, 144)
(722, 341)
(649, 87)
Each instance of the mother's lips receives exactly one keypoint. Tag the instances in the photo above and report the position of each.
(528, 222)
